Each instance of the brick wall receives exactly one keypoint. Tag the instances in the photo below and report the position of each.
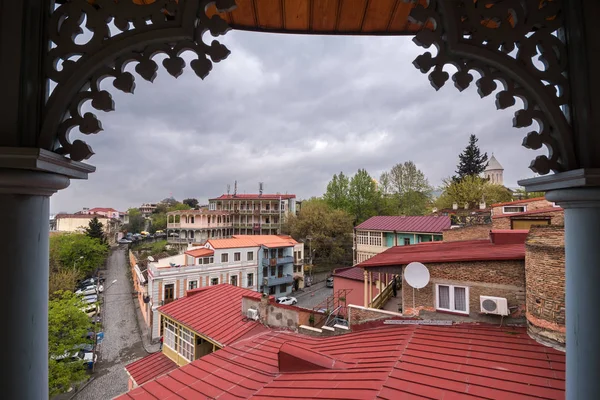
(483, 278)
(532, 204)
(359, 315)
(470, 232)
(545, 275)
(556, 218)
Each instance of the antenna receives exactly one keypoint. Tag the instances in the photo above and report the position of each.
(234, 188)
(228, 189)
(417, 276)
(260, 188)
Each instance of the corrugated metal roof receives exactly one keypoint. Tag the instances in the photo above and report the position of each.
(353, 273)
(416, 224)
(440, 252)
(214, 312)
(255, 197)
(413, 361)
(508, 203)
(150, 367)
(253, 241)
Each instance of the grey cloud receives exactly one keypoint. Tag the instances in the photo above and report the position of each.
(289, 111)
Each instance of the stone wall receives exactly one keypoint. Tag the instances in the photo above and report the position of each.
(545, 275)
(470, 232)
(279, 315)
(358, 315)
(503, 222)
(483, 278)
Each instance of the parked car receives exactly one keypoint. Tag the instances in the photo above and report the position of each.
(329, 282)
(89, 281)
(90, 289)
(124, 241)
(90, 298)
(287, 301)
(88, 358)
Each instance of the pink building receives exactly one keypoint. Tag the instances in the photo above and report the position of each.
(352, 279)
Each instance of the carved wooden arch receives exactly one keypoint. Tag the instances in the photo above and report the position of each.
(144, 30)
(499, 39)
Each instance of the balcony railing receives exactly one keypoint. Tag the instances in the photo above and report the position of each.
(285, 279)
(271, 262)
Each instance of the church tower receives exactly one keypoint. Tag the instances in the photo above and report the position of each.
(494, 172)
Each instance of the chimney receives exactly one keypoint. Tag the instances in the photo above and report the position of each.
(455, 206)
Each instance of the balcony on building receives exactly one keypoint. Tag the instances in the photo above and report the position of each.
(280, 280)
(271, 262)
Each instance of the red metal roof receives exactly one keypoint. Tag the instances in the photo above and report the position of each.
(214, 312)
(538, 211)
(398, 362)
(150, 367)
(255, 197)
(354, 273)
(203, 252)
(440, 252)
(412, 224)
(508, 203)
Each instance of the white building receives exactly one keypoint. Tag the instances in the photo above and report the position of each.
(494, 172)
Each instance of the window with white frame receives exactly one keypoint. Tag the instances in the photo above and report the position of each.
(192, 285)
(250, 256)
(224, 257)
(170, 335)
(452, 298)
(513, 209)
(362, 237)
(375, 238)
(237, 256)
(186, 344)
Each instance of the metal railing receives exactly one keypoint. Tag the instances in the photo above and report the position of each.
(271, 262)
(274, 280)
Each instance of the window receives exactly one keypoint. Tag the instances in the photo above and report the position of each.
(282, 206)
(250, 280)
(406, 241)
(282, 288)
(453, 298)
(250, 256)
(169, 294)
(214, 281)
(265, 272)
(233, 280)
(375, 238)
(271, 289)
(192, 285)
(224, 257)
(266, 253)
(273, 270)
(513, 209)
(362, 237)
(186, 344)
(237, 256)
(170, 337)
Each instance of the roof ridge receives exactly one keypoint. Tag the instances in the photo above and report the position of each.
(403, 350)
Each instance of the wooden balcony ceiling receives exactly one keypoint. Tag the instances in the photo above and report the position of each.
(328, 17)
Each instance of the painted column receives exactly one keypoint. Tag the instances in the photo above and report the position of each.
(366, 289)
(582, 221)
(24, 212)
(370, 288)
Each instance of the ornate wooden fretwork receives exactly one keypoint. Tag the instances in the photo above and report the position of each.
(517, 43)
(116, 33)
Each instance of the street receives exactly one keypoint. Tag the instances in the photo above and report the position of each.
(122, 343)
(314, 295)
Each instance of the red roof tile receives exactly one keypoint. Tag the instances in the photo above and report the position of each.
(203, 252)
(439, 252)
(460, 361)
(150, 367)
(538, 211)
(508, 203)
(255, 197)
(214, 312)
(416, 224)
(270, 241)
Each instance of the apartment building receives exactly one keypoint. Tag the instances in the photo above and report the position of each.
(147, 209)
(197, 226)
(378, 234)
(255, 214)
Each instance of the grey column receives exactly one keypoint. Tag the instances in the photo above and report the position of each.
(24, 212)
(582, 250)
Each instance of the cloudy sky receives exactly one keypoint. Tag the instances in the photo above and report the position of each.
(289, 111)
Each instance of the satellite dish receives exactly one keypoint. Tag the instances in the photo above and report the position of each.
(416, 275)
(150, 258)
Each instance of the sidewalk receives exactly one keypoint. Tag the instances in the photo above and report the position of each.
(147, 343)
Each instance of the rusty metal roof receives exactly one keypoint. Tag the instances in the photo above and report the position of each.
(410, 224)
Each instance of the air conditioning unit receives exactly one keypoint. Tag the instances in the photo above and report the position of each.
(252, 314)
(493, 305)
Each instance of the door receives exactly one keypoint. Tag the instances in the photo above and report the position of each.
(169, 293)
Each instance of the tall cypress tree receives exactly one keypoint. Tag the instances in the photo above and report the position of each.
(471, 161)
(95, 230)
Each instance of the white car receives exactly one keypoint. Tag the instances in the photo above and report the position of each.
(124, 241)
(91, 289)
(287, 301)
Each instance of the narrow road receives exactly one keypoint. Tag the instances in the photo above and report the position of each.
(122, 343)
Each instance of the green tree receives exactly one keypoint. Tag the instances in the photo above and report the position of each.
(192, 203)
(159, 222)
(76, 251)
(522, 194)
(337, 193)
(411, 189)
(67, 324)
(471, 161)
(136, 221)
(329, 228)
(95, 230)
(178, 207)
(471, 190)
(363, 196)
